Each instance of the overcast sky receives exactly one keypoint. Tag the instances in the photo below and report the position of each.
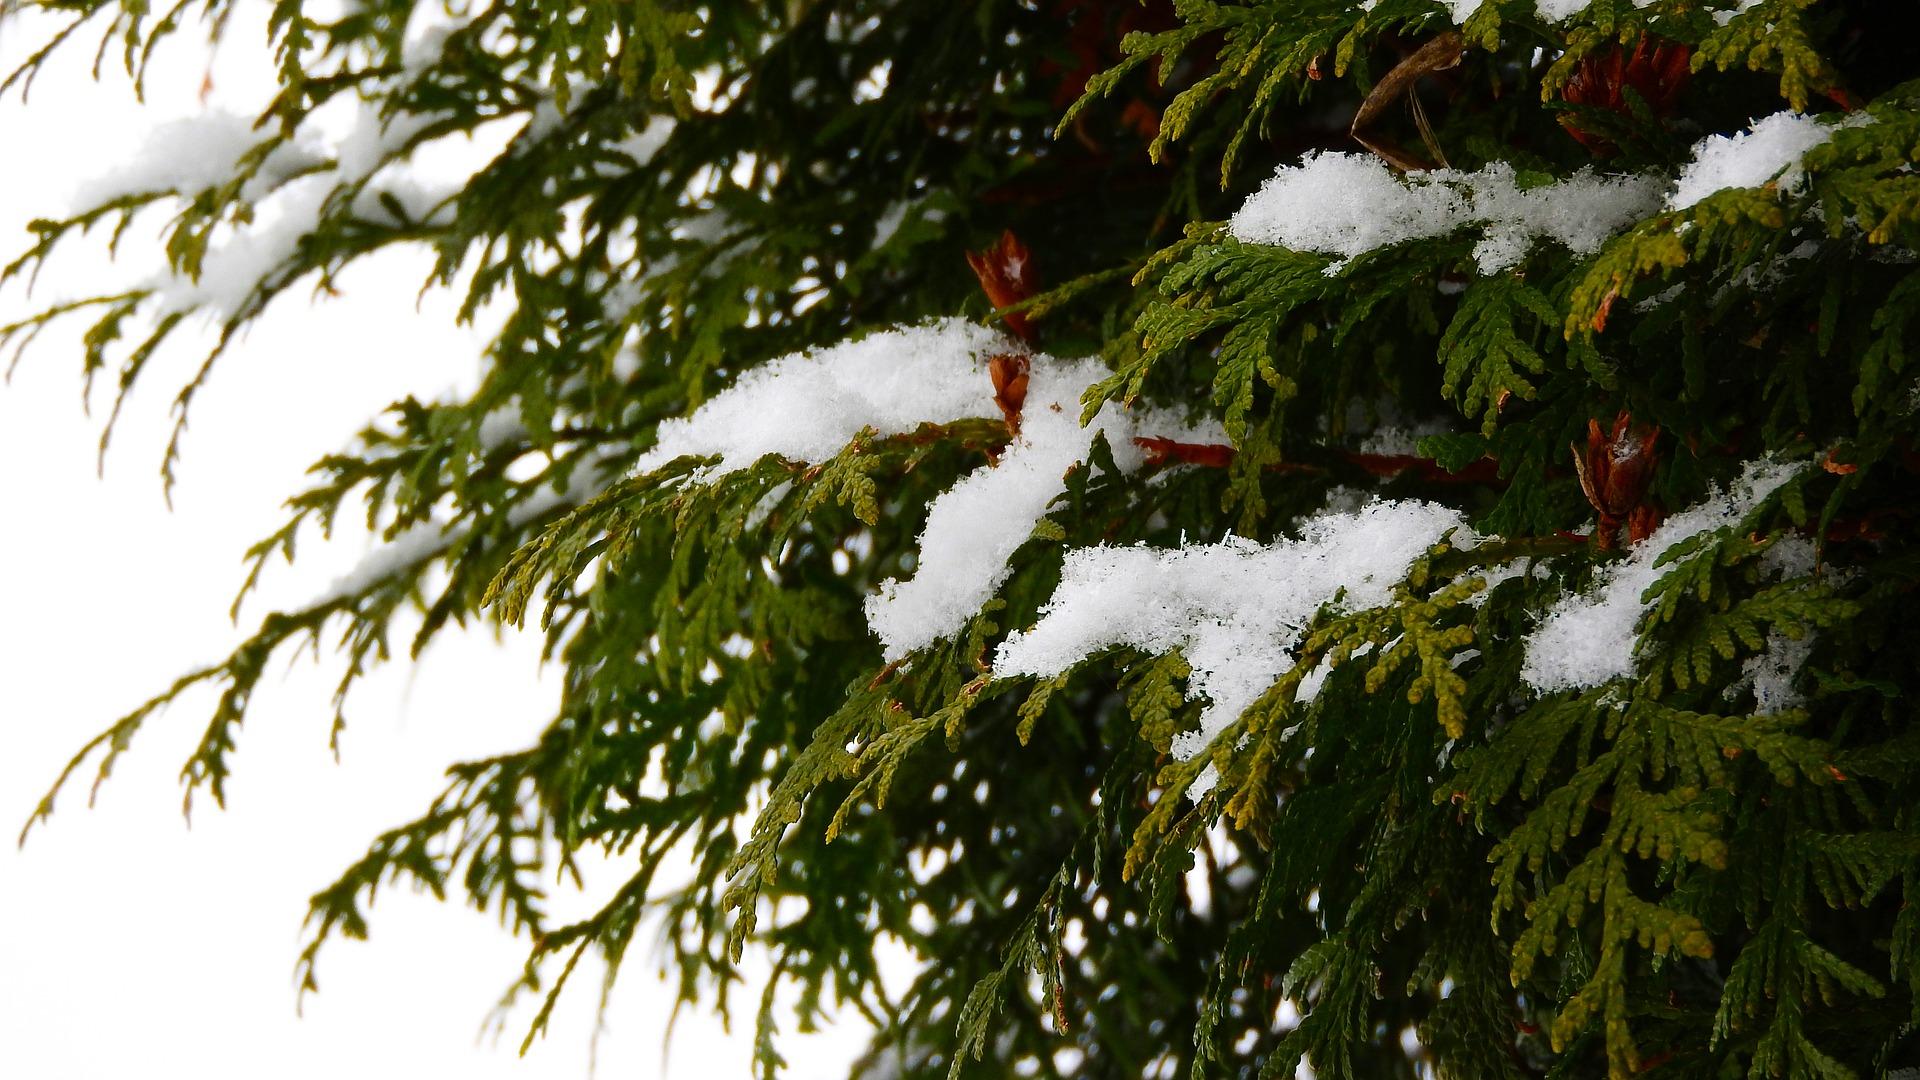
(129, 944)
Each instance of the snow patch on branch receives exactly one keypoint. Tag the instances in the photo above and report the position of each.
(975, 527)
(1588, 638)
(808, 406)
(1770, 673)
(429, 27)
(1769, 151)
(642, 145)
(1236, 610)
(1350, 204)
(1555, 11)
(410, 548)
(191, 154)
(237, 268)
(185, 155)
(294, 189)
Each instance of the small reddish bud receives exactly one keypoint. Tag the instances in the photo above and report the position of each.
(1009, 373)
(1614, 472)
(1656, 70)
(1006, 275)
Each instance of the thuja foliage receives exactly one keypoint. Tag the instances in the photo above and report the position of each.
(1406, 858)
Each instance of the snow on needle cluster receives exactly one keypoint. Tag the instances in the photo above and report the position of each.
(1587, 639)
(1351, 204)
(1348, 205)
(807, 407)
(1234, 610)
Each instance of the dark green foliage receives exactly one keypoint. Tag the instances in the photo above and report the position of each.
(1433, 868)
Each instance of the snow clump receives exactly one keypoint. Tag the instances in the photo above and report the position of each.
(1770, 150)
(1350, 204)
(974, 528)
(1770, 673)
(808, 406)
(1555, 11)
(191, 154)
(1587, 638)
(1236, 610)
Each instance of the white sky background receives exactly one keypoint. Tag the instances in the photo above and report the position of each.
(129, 945)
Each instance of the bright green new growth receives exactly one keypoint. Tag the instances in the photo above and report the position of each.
(1407, 860)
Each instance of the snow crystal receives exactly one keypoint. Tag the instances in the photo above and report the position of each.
(1662, 298)
(501, 426)
(233, 270)
(1769, 150)
(808, 406)
(1771, 672)
(1351, 204)
(1771, 274)
(770, 502)
(619, 298)
(889, 222)
(399, 189)
(896, 213)
(545, 119)
(1347, 499)
(1313, 681)
(1236, 610)
(424, 50)
(1492, 577)
(410, 546)
(1587, 639)
(1791, 556)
